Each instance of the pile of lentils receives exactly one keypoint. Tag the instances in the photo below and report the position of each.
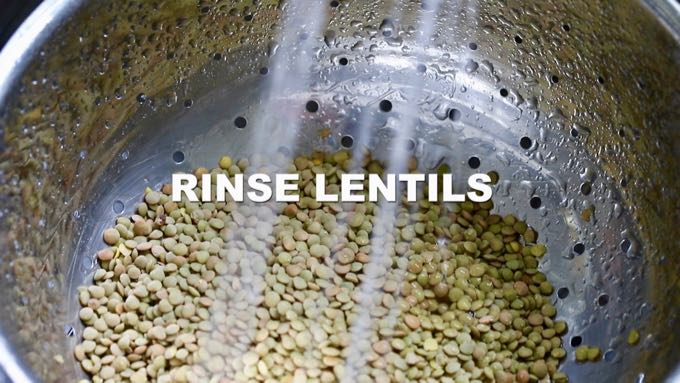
(318, 292)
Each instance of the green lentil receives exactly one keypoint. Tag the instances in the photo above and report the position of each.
(633, 337)
(280, 291)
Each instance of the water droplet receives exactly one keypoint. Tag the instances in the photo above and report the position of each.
(387, 27)
(329, 38)
(589, 173)
(118, 206)
(488, 66)
(504, 188)
(441, 112)
(86, 263)
(471, 66)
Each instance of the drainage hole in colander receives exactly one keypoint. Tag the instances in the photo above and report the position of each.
(118, 206)
(385, 105)
(586, 188)
(335, 3)
(240, 122)
(625, 245)
(609, 355)
(188, 103)
(343, 61)
(411, 144)
(347, 141)
(579, 248)
(454, 114)
(217, 56)
(566, 27)
(69, 330)
(474, 162)
(264, 70)
(562, 292)
(575, 341)
(535, 202)
(574, 133)
(504, 92)
(284, 150)
(525, 142)
(603, 299)
(178, 157)
(554, 79)
(518, 39)
(312, 106)
(472, 46)
(600, 80)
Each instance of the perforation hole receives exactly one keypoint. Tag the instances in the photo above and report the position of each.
(312, 106)
(178, 157)
(118, 206)
(240, 122)
(602, 300)
(579, 248)
(347, 141)
(562, 292)
(525, 142)
(385, 105)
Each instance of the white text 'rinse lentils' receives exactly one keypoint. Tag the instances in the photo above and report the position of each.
(318, 292)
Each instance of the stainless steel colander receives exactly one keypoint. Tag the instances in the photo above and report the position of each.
(575, 104)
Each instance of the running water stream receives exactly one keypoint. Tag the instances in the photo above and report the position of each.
(382, 241)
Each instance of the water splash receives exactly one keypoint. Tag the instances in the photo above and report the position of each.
(241, 289)
(381, 240)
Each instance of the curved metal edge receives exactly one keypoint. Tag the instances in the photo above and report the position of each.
(674, 377)
(11, 366)
(19, 51)
(668, 12)
(28, 39)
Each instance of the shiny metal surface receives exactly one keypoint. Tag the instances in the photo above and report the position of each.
(588, 84)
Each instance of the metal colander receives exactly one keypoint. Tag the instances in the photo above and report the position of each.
(573, 103)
